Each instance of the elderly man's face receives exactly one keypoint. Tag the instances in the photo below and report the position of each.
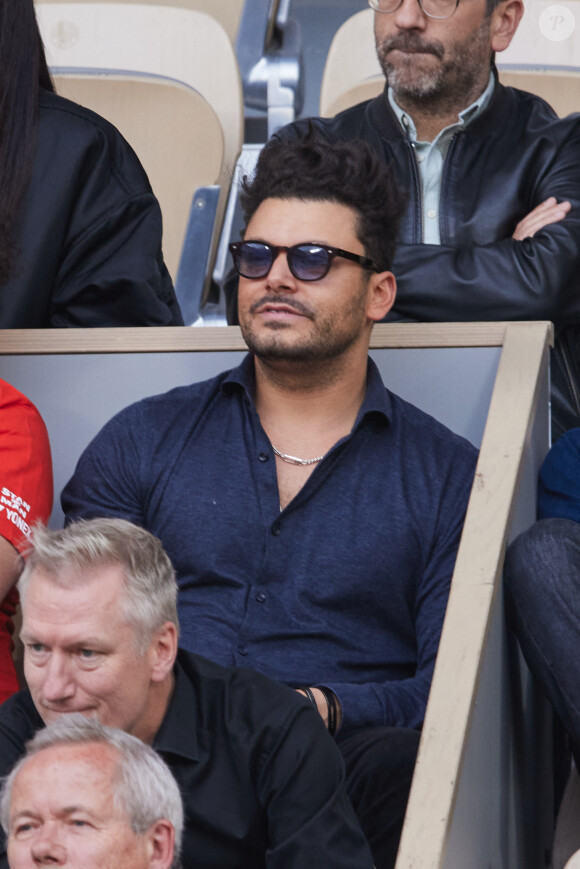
(63, 813)
(81, 655)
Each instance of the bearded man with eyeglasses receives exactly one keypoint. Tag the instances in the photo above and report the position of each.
(312, 516)
(492, 225)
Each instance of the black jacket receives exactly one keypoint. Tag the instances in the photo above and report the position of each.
(89, 232)
(513, 156)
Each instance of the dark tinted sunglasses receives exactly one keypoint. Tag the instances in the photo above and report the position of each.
(306, 261)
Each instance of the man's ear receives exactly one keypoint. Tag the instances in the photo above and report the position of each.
(504, 22)
(160, 845)
(382, 289)
(163, 651)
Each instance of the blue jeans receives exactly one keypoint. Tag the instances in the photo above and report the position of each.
(542, 584)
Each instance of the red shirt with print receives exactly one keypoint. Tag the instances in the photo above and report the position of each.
(26, 494)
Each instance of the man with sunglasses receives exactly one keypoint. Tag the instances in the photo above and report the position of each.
(312, 516)
(492, 225)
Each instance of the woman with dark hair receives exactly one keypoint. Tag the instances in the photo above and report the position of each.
(80, 229)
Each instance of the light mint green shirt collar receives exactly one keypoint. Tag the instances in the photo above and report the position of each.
(465, 117)
(431, 155)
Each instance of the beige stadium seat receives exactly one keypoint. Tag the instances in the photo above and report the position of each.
(560, 88)
(533, 62)
(227, 12)
(268, 47)
(175, 132)
(174, 43)
(352, 72)
(180, 45)
(544, 55)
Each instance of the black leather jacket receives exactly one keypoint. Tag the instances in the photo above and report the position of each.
(89, 231)
(513, 156)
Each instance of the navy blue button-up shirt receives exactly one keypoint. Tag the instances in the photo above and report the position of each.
(346, 587)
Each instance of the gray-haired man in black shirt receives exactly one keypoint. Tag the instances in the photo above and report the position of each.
(261, 780)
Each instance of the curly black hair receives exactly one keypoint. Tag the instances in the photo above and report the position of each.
(348, 173)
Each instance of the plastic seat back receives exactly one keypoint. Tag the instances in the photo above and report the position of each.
(352, 72)
(227, 12)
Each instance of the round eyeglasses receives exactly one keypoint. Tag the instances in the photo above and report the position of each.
(432, 8)
(307, 261)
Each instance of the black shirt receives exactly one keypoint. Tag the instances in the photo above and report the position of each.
(262, 782)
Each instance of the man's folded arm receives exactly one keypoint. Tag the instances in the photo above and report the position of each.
(533, 279)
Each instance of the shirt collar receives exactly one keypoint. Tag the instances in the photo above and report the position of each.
(178, 731)
(243, 375)
(465, 117)
(376, 400)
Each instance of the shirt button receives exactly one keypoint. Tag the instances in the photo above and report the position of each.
(431, 213)
(276, 530)
(260, 597)
(263, 457)
(243, 650)
(420, 158)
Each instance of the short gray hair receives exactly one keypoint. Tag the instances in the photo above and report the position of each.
(143, 785)
(151, 590)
